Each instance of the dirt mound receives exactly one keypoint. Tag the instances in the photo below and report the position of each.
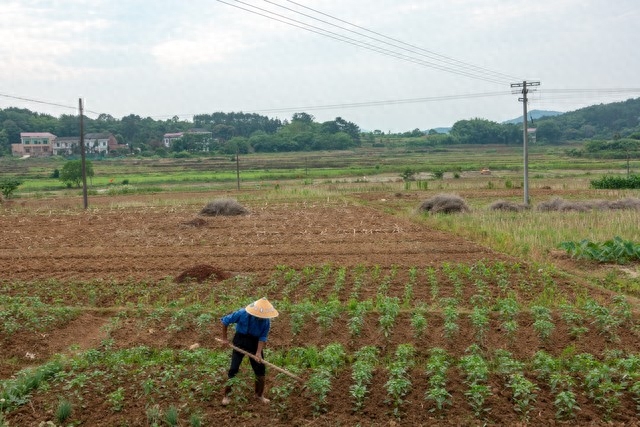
(200, 273)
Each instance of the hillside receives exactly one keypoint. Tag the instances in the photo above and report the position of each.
(535, 115)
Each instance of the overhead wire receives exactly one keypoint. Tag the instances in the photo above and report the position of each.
(38, 101)
(359, 43)
(421, 51)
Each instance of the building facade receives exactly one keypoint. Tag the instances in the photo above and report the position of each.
(34, 144)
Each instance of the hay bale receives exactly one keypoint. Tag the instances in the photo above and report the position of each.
(628, 203)
(223, 207)
(200, 273)
(507, 206)
(560, 205)
(557, 204)
(444, 203)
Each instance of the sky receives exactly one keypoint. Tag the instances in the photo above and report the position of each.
(390, 65)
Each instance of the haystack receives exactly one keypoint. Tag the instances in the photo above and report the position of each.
(507, 206)
(223, 207)
(444, 203)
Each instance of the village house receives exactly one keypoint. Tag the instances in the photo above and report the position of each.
(170, 138)
(41, 144)
(35, 144)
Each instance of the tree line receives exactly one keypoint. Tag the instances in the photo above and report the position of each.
(250, 132)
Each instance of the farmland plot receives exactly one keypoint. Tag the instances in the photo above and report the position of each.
(386, 320)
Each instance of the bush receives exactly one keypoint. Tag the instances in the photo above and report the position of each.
(616, 182)
(444, 203)
(224, 207)
(8, 186)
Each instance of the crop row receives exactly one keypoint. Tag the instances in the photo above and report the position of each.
(324, 282)
(192, 378)
(383, 313)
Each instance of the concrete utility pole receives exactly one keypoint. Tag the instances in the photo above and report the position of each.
(525, 134)
(82, 155)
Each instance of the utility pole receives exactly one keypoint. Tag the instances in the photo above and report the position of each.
(82, 155)
(525, 134)
(238, 166)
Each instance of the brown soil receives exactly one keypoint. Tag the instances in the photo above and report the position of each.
(152, 243)
(200, 273)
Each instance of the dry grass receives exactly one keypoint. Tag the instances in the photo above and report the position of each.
(444, 203)
(560, 205)
(507, 206)
(223, 207)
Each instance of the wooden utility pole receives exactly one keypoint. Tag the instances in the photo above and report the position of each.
(238, 166)
(82, 155)
(525, 133)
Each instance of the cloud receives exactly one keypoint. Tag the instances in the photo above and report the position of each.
(34, 42)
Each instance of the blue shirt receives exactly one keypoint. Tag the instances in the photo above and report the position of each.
(248, 324)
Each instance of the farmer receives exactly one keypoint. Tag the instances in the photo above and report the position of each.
(252, 329)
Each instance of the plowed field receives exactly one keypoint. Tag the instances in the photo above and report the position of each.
(98, 288)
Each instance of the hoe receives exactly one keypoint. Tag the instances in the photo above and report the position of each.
(253, 356)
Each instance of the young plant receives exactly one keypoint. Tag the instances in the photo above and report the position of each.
(437, 366)
(357, 312)
(480, 321)
(451, 315)
(328, 312)
(419, 320)
(171, 416)
(63, 412)
(508, 309)
(399, 383)
(543, 322)
(432, 278)
(280, 394)
(566, 405)
(362, 374)
(389, 309)
(319, 385)
(476, 371)
(523, 394)
(116, 399)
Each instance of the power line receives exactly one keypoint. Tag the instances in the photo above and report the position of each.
(382, 103)
(359, 43)
(427, 53)
(38, 101)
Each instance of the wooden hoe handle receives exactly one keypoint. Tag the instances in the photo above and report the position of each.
(253, 356)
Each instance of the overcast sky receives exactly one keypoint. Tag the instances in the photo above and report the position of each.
(162, 58)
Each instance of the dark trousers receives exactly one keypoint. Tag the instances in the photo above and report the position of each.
(249, 344)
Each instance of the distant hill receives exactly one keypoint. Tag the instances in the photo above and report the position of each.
(535, 114)
(441, 130)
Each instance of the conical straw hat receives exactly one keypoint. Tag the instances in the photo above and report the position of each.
(262, 308)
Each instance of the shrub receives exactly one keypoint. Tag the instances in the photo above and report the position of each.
(616, 182)
(444, 203)
(223, 207)
(9, 185)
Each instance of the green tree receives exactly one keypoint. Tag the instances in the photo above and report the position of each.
(8, 186)
(71, 173)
